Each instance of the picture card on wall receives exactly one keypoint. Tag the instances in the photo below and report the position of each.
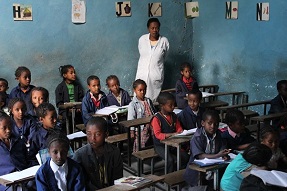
(263, 11)
(78, 11)
(123, 9)
(191, 9)
(22, 12)
(154, 9)
(231, 10)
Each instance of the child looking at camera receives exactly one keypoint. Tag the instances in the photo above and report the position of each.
(206, 143)
(39, 95)
(164, 125)
(59, 172)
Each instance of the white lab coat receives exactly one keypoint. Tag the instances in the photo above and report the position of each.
(151, 64)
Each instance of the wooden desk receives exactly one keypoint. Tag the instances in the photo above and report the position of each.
(265, 119)
(235, 96)
(174, 142)
(136, 123)
(214, 168)
(223, 109)
(155, 179)
(214, 104)
(211, 88)
(73, 106)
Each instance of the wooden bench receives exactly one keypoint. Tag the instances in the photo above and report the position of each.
(144, 155)
(174, 178)
(116, 139)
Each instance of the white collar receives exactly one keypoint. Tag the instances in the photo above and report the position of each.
(55, 167)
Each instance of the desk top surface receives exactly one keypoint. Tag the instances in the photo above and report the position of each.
(69, 105)
(228, 93)
(243, 105)
(269, 117)
(135, 122)
(207, 168)
(176, 141)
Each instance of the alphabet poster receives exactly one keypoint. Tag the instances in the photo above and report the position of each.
(154, 9)
(191, 9)
(123, 9)
(263, 11)
(78, 11)
(22, 12)
(231, 10)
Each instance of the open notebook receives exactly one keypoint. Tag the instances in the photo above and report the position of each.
(273, 177)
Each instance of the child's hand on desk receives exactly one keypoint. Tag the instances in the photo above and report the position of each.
(224, 152)
(226, 157)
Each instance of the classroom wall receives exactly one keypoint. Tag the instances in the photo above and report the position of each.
(243, 54)
(102, 46)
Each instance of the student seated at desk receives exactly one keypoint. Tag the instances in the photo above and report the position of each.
(206, 143)
(279, 103)
(94, 99)
(13, 150)
(3, 101)
(191, 116)
(59, 172)
(270, 137)
(164, 125)
(47, 116)
(102, 162)
(236, 135)
(3, 93)
(185, 84)
(69, 90)
(140, 107)
(256, 155)
(39, 95)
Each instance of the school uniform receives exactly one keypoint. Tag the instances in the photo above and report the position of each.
(88, 106)
(140, 109)
(26, 96)
(125, 98)
(278, 104)
(62, 95)
(181, 90)
(46, 180)
(113, 166)
(234, 140)
(189, 119)
(166, 124)
(198, 145)
(13, 158)
(27, 130)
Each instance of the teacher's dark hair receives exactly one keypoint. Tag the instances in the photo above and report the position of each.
(151, 20)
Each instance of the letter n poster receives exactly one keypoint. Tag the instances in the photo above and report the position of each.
(263, 11)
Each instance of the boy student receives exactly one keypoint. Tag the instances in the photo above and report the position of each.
(3, 89)
(47, 116)
(94, 99)
(279, 103)
(206, 143)
(236, 135)
(102, 162)
(191, 116)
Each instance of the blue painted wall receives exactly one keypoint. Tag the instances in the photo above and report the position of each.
(102, 46)
(243, 54)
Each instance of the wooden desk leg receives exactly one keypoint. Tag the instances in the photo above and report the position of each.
(73, 119)
(258, 131)
(67, 122)
(215, 180)
(165, 158)
(178, 157)
(222, 115)
(139, 138)
(129, 148)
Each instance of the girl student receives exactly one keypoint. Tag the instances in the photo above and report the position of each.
(116, 96)
(59, 172)
(38, 96)
(140, 107)
(184, 85)
(23, 126)
(24, 88)
(13, 150)
(164, 125)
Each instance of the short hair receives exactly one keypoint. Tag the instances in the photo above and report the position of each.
(112, 77)
(3, 116)
(266, 130)
(212, 113)
(151, 20)
(42, 109)
(196, 92)
(20, 70)
(186, 65)
(100, 122)
(138, 82)
(234, 115)
(164, 97)
(44, 91)
(4, 80)
(57, 135)
(257, 154)
(280, 84)
(92, 77)
(13, 101)
(64, 69)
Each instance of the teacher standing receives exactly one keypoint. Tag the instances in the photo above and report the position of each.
(153, 50)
